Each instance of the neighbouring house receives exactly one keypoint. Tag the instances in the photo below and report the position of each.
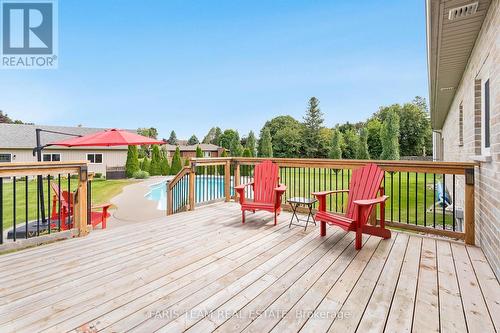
(189, 151)
(463, 48)
(18, 140)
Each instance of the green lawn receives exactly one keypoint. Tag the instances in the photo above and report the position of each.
(102, 191)
(408, 203)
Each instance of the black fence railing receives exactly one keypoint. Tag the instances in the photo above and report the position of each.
(34, 203)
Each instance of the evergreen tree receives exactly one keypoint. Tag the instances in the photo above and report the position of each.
(350, 144)
(217, 135)
(173, 138)
(199, 152)
(389, 134)
(266, 144)
(221, 168)
(146, 165)
(336, 147)
(362, 149)
(132, 164)
(186, 162)
(373, 127)
(250, 144)
(245, 169)
(193, 140)
(155, 168)
(313, 121)
(210, 136)
(176, 162)
(165, 168)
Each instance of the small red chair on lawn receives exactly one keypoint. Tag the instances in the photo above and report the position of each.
(267, 191)
(362, 197)
(66, 209)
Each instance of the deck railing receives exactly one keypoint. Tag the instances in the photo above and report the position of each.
(29, 208)
(430, 197)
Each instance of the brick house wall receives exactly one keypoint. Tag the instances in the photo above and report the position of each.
(462, 140)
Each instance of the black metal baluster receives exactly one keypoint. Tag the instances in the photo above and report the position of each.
(1, 210)
(407, 197)
(434, 202)
(342, 194)
(89, 201)
(399, 197)
(444, 199)
(453, 221)
(336, 188)
(330, 188)
(304, 182)
(69, 201)
(425, 199)
(14, 231)
(416, 198)
(38, 206)
(26, 212)
(48, 203)
(59, 202)
(392, 196)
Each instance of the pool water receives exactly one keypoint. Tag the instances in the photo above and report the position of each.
(207, 188)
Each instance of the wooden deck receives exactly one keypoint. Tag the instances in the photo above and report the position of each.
(203, 271)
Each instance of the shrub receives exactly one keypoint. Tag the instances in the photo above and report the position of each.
(155, 168)
(199, 152)
(132, 164)
(98, 175)
(146, 164)
(165, 167)
(141, 174)
(176, 162)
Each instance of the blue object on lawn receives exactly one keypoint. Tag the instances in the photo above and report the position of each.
(443, 197)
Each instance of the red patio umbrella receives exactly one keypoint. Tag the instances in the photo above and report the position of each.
(111, 137)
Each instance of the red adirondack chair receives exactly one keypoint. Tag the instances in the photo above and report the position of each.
(362, 197)
(66, 209)
(267, 191)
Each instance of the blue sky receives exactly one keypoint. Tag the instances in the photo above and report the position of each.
(190, 65)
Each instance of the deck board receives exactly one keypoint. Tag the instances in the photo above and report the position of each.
(204, 271)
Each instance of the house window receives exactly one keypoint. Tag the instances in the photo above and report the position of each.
(461, 125)
(5, 158)
(206, 154)
(94, 158)
(51, 157)
(487, 114)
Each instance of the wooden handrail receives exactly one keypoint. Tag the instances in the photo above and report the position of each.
(16, 169)
(184, 171)
(457, 168)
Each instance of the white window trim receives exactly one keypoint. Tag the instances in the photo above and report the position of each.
(102, 158)
(485, 151)
(7, 154)
(207, 153)
(60, 156)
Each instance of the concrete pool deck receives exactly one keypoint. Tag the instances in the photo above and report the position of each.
(132, 206)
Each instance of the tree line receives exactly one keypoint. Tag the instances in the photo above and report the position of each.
(393, 131)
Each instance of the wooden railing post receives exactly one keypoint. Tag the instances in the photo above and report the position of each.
(80, 200)
(227, 180)
(192, 187)
(236, 178)
(170, 201)
(470, 234)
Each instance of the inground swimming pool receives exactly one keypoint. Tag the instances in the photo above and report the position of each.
(208, 188)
